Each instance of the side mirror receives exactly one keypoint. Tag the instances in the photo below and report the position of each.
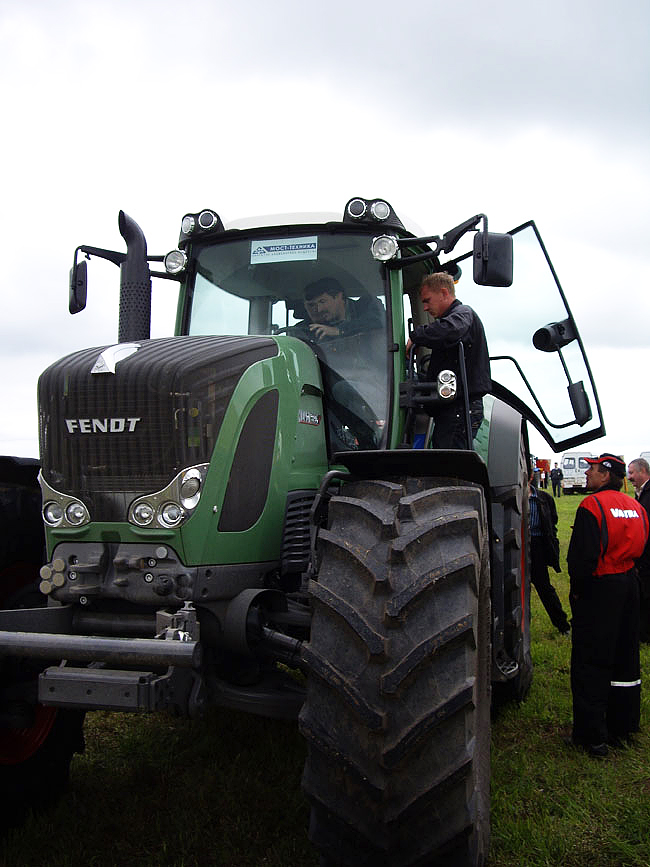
(78, 286)
(579, 402)
(554, 336)
(492, 259)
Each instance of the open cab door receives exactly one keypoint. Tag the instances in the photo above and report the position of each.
(539, 364)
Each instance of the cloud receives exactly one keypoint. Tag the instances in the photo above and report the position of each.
(446, 110)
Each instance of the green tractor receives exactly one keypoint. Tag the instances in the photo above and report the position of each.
(250, 515)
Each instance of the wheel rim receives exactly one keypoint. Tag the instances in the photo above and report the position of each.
(18, 745)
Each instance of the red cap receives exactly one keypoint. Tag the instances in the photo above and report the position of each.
(611, 462)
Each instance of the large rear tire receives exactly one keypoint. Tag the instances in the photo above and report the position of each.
(397, 715)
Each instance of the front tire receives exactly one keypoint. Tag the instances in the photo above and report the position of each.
(397, 715)
(35, 761)
(37, 743)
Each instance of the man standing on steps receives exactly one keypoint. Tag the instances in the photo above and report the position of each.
(610, 534)
(453, 323)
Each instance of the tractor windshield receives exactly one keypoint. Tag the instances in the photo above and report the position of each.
(323, 288)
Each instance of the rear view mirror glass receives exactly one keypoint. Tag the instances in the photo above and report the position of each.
(78, 286)
(579, 403)
(492, 259)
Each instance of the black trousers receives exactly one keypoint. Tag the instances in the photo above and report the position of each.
(605, 667)
(557, 488)
(449, 430)
(542, 583)
(644, 589)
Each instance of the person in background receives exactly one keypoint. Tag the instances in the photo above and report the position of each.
(545, 552)
(638, 472)
(556, 481)
(610, 534)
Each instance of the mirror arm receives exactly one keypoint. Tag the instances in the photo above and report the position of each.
(396, 264)
(443, 245)
(485, 238)
(112, 255)
(163, 275)
(566, 369)
(453, 236)
(449, 240)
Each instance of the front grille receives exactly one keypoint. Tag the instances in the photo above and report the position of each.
(134, 430)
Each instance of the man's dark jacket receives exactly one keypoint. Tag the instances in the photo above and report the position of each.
(362, 315)
(644, 497)
(548, 521)
(644, 563)
(458, 322)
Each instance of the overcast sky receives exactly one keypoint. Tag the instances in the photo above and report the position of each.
(517, 109)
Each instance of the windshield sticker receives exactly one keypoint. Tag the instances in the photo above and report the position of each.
(284, 250)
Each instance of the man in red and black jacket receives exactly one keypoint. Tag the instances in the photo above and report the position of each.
(609, 535)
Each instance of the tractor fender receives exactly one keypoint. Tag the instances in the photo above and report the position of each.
(444, 463)
(504, 445)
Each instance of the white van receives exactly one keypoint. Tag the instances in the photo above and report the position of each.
(573, 468)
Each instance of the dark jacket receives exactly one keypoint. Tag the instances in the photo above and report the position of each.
(548, 525)
(644, 563)
(365, 314)
(458, 322)
(362, 315)
(644, 497)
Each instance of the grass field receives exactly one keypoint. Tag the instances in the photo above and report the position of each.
(226, 790)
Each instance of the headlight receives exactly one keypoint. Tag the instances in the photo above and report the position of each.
(380, 210)
(175, 262)
(61, 510)
(52, 513)
(447, 384)
(357, 208)
(76, 514)
(208, 219)
(384, 247)
(188, 224)
(190, 489)
(170, 514)
(172, 505)
(143, 514)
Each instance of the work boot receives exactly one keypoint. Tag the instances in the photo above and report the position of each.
(596, 751)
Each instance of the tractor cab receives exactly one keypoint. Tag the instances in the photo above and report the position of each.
(320, 287)
(350, 289)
